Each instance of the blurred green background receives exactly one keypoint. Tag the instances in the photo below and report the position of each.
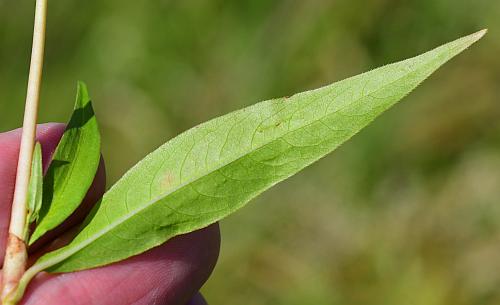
(405, 213)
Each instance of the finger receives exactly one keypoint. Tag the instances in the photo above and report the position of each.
(48, 135)
(171, 273)
(198, 299)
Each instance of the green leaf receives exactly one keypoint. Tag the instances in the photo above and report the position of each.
(212, 170)
(35, 188)
(73, 166)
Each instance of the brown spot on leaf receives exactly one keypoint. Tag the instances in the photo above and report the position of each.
(167, 181)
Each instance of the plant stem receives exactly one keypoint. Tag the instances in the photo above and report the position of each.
(16, 253)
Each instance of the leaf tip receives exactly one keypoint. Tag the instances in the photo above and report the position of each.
(456, 47)
(82, 96)
(38, 147)
(81, 84)
(478, 35)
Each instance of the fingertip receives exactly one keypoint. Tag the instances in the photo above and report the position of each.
(49, 135)
(172, 273)
(197, 253)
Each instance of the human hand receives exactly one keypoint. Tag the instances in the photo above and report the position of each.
(171, 274)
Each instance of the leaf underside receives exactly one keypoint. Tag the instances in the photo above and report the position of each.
(210, 171)
(73, 167)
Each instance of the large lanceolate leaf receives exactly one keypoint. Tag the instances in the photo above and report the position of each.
(73, 167)
(210, 171)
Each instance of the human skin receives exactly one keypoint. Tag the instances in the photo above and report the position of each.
(171, 274)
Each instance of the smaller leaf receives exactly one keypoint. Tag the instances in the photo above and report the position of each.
(35, 190)
(73, 167)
